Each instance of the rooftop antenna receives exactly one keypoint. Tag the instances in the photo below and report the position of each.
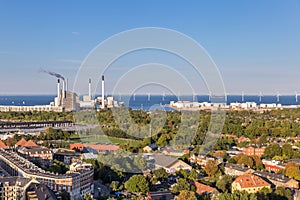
(278, 97)
(296, 96)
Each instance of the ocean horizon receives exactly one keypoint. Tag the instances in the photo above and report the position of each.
(145, 102)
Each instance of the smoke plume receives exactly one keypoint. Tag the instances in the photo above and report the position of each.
(52, 74)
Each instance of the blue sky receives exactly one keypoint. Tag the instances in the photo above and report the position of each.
(255, 44)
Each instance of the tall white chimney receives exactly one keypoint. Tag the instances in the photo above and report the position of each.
(103, 106)
(90, 88)
(67, 85)
(63, 89)
(58, 88)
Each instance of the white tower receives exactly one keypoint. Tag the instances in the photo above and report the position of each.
(90, 88)
(58, 88)
(103, 105)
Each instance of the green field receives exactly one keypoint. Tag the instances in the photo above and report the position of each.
(104, 139)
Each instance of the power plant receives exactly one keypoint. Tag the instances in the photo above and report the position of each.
(100, 102)
(68, 101)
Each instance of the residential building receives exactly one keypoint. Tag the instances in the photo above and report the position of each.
(174, 152)
(249, 183)
(254, 151)
(24, 143)
(65, 155)
(39, 191)
(202, 189)
(76, 183)
(273, 166)
(278, 180)
(100, 148)
(2, 145)
(37, 154)
(237, 170)
(170, 164)
(150, 148)
(14, 188)
(202, 160)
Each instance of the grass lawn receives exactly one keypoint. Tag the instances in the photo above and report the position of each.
(103, 139)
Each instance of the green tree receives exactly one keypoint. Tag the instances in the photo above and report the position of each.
(114, 186)
(272, 150)
(193, 175)
(287, 151)
(187, 195)
(88, 196)
(211, 168)
(160, 174)
(282, 193)
(292, 170)
(137, 183)
(246, 160)
(180, 185)
(224, 183)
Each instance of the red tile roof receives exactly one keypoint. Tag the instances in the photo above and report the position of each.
(97, 147)
(202, 189)
(30, 143)
(250, 180)
(21, 142)
(2, 145)
(103, 147)
(76, 146)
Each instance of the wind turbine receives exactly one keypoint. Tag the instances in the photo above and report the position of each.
(243, 96)
(260, 96)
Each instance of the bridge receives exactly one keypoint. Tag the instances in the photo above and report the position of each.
(36, 124)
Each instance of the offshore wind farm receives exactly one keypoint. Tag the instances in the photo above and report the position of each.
(145, 101)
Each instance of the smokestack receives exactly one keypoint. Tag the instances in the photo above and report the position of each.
(103, 106)
(67, 85)
(63, 90)
(90, 89)
(58, 88)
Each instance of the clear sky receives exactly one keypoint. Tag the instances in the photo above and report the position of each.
(255, 43)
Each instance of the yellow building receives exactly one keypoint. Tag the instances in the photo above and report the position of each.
(249, 183)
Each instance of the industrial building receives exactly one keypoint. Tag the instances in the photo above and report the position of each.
(68, 101)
